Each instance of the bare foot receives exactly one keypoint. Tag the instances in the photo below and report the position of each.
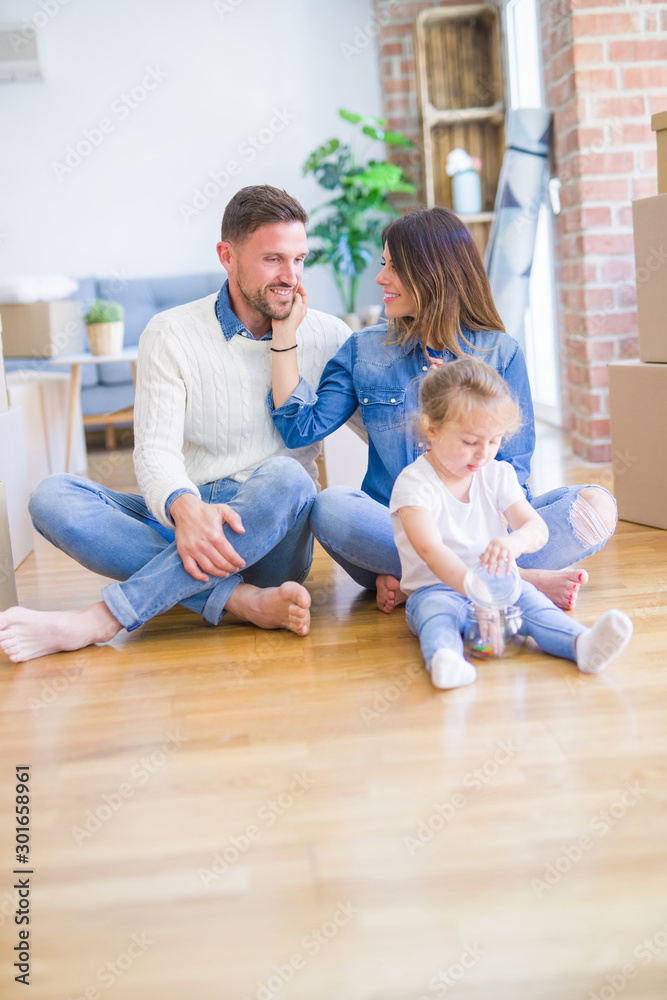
(25, 634)
(389, 594)
(286, 606)
(560, 585)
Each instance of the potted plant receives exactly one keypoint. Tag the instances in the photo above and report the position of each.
(355, 217)
(105, 326)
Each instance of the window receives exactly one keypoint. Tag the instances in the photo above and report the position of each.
(526, 90)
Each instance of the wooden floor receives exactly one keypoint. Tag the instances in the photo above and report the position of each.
(229, 813)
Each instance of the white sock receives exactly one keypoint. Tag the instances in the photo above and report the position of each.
(606, 639)
(449, 670)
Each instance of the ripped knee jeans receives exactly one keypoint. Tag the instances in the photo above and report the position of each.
(576, 529)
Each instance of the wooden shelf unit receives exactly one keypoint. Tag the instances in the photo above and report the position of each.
(461, 100)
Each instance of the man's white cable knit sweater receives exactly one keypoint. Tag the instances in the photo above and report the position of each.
(200, 412)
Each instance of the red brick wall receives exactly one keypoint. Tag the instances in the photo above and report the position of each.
(605, 74)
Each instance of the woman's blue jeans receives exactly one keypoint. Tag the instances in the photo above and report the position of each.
(437, 615)
(357, 532)
(115, 535)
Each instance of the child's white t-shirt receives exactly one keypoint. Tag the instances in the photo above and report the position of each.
(466, 528)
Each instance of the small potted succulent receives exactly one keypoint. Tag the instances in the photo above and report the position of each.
(105, 326)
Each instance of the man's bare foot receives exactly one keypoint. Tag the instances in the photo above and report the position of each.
(286, 606)
(25, 634)
(389, 594)
(560, 585)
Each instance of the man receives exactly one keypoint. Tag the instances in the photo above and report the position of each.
(222, 523)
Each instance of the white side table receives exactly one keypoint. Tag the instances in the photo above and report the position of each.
(76, 361)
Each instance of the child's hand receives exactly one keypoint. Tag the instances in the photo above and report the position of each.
(284, 330)
(498, 557)
(490, 630)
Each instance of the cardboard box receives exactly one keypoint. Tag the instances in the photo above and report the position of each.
(638, 408)
(44, 401)
(8, 596)
(27, 397)
(4, 401)
(659, 126)
(14, 474)
(42, 329)
(649, 216)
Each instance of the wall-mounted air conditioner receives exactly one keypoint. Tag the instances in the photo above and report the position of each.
(19, 54)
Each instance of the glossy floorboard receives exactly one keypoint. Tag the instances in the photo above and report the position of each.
(229, 813)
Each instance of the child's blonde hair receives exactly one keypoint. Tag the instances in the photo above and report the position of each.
(460, 387)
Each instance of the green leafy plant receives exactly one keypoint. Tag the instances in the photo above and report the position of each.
(358, 213)
(102, 311)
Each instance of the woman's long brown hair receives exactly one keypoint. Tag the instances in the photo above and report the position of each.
(437, 260)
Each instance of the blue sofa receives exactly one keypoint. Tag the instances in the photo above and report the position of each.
(107, 388)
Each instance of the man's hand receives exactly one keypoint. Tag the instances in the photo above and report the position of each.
(284, 330)
(200, 540)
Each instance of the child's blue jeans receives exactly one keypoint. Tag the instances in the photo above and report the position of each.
(437, 615)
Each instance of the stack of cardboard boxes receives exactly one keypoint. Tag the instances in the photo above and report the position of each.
(638, 389)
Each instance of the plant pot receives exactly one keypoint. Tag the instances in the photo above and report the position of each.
(352, 321)
(466, 193)
(106, 338)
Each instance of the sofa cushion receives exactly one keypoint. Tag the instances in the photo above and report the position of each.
(136, 298)
(106, 398)
(170, 292)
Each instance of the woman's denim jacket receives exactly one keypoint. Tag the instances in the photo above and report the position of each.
(384, 381)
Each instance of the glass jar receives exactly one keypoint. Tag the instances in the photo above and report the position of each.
(490, 591)
(492, 634)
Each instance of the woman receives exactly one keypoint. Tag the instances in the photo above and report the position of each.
(439, 306)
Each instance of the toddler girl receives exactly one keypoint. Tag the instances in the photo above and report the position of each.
(449, 510)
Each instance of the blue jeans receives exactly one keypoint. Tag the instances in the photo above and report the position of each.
(357, 533)
(437, 615)
(115, 535)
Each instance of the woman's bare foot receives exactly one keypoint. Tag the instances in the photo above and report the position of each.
(286, 606)
(560, 585)
(389, 594)
(26, 634)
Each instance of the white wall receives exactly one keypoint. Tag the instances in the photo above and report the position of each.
(221, 72)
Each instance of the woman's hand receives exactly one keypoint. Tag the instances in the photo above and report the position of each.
(284, 330)
(285, 370)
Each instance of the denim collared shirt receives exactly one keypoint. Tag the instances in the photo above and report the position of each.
(229, 321)
(384, 380)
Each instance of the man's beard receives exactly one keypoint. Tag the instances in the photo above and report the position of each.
(258, 300)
